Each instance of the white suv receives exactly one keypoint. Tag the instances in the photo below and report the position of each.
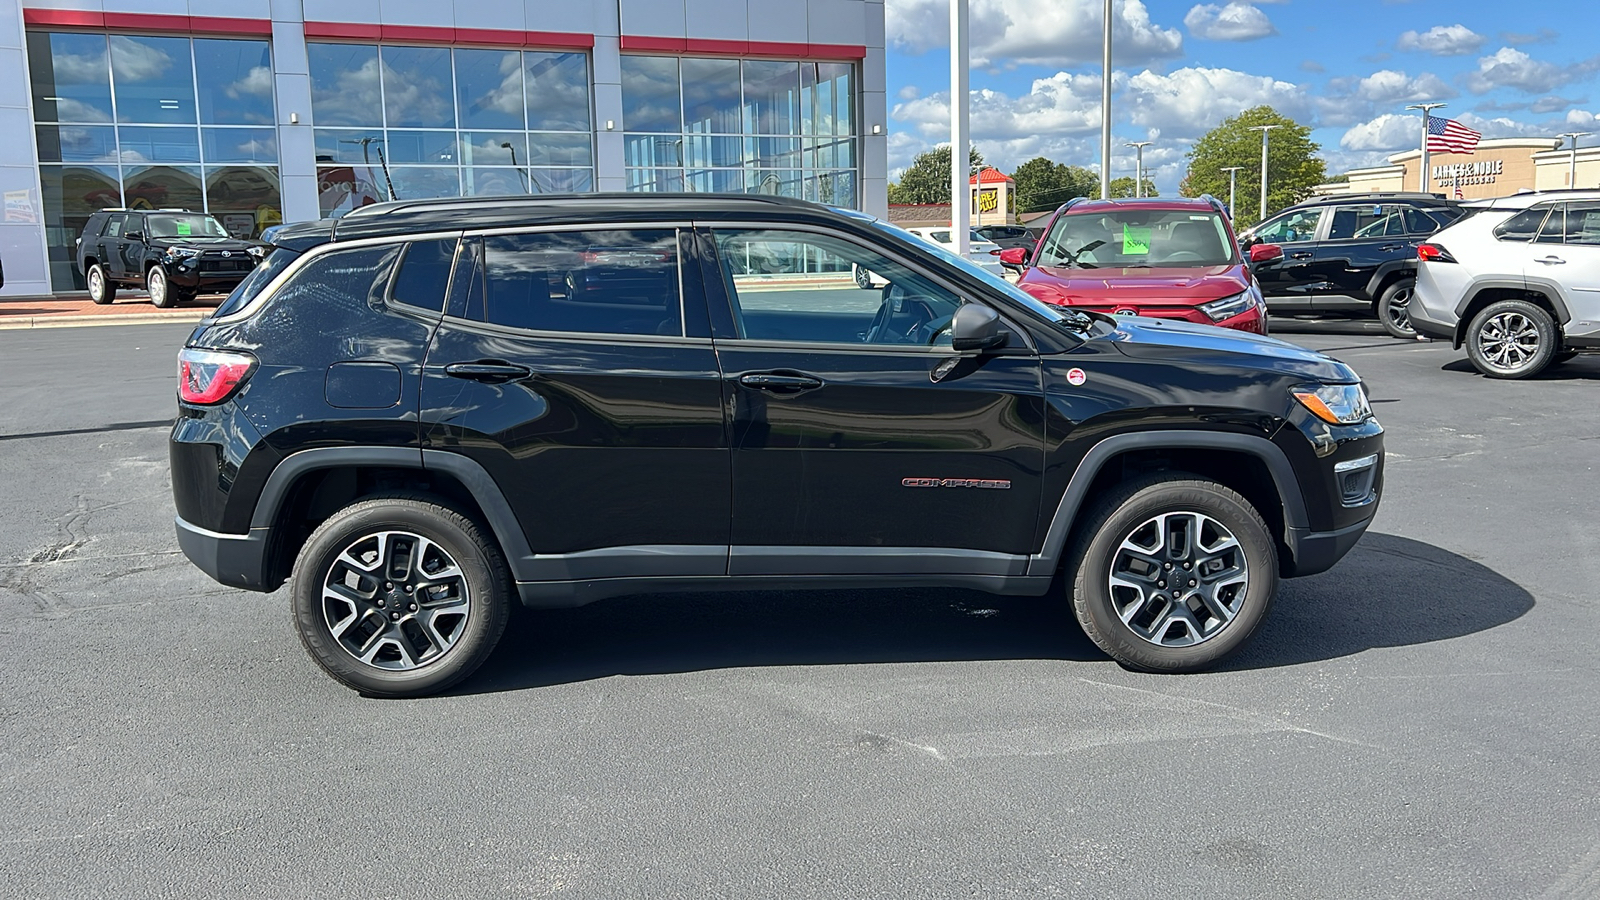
(1518, 282)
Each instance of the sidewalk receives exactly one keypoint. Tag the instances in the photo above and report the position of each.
(66, 312)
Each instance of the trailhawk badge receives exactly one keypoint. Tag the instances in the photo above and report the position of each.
(1076, 377)
(987, 484)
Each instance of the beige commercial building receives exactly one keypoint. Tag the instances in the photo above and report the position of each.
(1499, 168)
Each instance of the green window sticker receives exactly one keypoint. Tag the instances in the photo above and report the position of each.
(184, 231)
(1135, 241)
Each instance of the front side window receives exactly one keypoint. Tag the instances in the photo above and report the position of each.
(1132, 237)
(816, 288)
(1292, 228)
(1522, 226)
(588, 282)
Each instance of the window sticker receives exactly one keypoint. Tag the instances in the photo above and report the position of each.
(184, 230)
(1135, 241)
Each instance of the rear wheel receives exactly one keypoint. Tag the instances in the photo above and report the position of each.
(400, 596)
(1512, 339)
(1394, 309)
(155, 281)
(1171, 573)
(101, 289)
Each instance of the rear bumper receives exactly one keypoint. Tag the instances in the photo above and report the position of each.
(236, 560)
(1427, 326)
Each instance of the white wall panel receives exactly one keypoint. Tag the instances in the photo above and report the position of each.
(664, 18)
(289, 50)
(505, 16)
(416, 12)
(722, 20)
(288, 11)
(573, 16)
(836, 21)
(365, 11)
(783, 21)
(235, 9)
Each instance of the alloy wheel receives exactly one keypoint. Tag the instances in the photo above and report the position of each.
(97, 283)
(1178, 579)
(1398, 310)
(395, 600)
(157, 286)
(1509, 340)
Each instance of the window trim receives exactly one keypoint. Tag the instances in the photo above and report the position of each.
(388, 292)
(1498, 232)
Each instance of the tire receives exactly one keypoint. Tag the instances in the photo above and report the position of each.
(161, 294)
(1394, 309)
(863, 278)
(102, 289)
(1512, 339)
(1129, 617)
(376, 640)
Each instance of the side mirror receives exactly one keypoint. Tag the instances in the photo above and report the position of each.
(977, 327)
(134, 235)
(1014, 256)
(1261, 253)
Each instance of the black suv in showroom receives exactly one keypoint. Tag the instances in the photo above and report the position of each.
(1350, 255)
(424, 411)
(172, 253)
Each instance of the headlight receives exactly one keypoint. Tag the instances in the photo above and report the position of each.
(1336, 404)
(182, 252)
(1228, 307)
(256, 253)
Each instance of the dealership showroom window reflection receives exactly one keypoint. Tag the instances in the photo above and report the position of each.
(152, 122)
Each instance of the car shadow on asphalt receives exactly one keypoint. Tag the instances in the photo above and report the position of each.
(1390, 591)
(1582, 368)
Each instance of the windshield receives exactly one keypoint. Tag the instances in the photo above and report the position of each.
(1135, 238)
(186, 225)
(1069, 319)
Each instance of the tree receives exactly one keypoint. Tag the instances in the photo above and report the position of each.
(1123, 187)
(927, 179)
(1293, 167)
(1042, 184)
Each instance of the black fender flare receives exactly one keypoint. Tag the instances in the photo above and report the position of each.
(1048, 559)
(1375, 284)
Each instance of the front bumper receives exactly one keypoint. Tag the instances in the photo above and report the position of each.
(1315, 552)
(236, 560)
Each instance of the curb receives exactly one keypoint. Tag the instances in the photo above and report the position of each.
(71, 321)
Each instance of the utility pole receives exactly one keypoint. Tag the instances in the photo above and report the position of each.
(1572, 171)
(1265, 130)
(1105, 109)
(1233, 174)
(960, 168)
(1138, 165)
(1427, 109)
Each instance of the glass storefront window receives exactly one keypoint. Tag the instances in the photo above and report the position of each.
(558, 91)
(651, 100)
(771, 97)
(141, 144)
(153, 79)
(244, 198)
(77, 143)
(489, 89)
(71, 195)
(162, 187)
(239, 145)
(235, 82)
(416, 87)
(711, 103)
(479, 148)
(560, 181)
(71, 77)
(344, 85)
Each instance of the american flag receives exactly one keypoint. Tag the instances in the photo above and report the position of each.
(1450, 136)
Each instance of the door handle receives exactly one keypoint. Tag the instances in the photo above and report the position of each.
(1551, 261)
(1303, 254)
(488, 371)
(1390, 248)
(769, 381)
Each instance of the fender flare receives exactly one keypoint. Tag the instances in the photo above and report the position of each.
(1048, 559)
(1375, 285)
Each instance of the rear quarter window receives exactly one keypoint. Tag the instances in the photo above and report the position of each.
(1523, 226)
(252, 285)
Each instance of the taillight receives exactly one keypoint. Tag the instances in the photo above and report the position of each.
(1434, 253)
(211, 376)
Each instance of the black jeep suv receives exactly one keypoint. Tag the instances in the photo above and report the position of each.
(1351, 255)
(426, 410)
(174, 254)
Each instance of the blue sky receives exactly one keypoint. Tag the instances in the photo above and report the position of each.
(1346, 67)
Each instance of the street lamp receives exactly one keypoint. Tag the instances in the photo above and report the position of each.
(1426, 109)
(520, 176)
(366, 157)
(1264, 129)
(1138, 165)
(1572, 172)
(1233, 174)
(1105, 106)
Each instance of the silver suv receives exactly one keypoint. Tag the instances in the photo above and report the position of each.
(1518, 282)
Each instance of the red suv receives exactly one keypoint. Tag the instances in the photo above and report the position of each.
(1168, 259)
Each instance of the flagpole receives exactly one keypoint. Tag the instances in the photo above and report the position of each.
(1426, 109)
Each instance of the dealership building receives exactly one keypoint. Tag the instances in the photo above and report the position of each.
(1498, 168)
(267, 111)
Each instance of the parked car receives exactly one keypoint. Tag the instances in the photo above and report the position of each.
(1518, 283)
(404, 415)
(1350, 255)
(1008, 236)
(172, 253)
(1163, 258)
(984, 253)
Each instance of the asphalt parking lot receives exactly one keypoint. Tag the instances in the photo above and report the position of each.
(1418, 722)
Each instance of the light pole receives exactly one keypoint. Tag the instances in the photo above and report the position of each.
(1138, 165)
(1105, 108)
(521, 177)
(1572, 171)
(1264, 129)
(1233, 174)
(960, 167)
(1427, 109)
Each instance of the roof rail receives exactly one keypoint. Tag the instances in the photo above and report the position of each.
(439, 203)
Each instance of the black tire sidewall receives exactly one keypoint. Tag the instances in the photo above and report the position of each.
(1405, 284)
(166, 295)
(480, 561)
(108, 291)
(1543, 321)
(1116, 517)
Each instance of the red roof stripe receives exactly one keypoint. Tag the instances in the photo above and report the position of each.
(112, 21)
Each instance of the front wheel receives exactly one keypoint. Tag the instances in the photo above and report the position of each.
(1172, 573)
(1512, 339)
(399, 596)
(161, 295)
(1394, 309)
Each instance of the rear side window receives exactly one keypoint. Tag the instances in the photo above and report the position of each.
(248, 289)
(591, 282)
(424, 274)
(1554, 228)
(114, 226)
(342, 278)
(1522, 226)
(1354, 221)
(1583, 224)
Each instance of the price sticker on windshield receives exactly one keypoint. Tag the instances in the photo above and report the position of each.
(1135, 241)
(184, 229)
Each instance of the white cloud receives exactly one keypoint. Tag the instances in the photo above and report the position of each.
(1581, 118)
(137, 60)
(1442, 40)
(1499, 127)
(1388, 133)
(1509, 67)
(1026, 32)
(1235, 22)
(1190, 101)
(1388, 86)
